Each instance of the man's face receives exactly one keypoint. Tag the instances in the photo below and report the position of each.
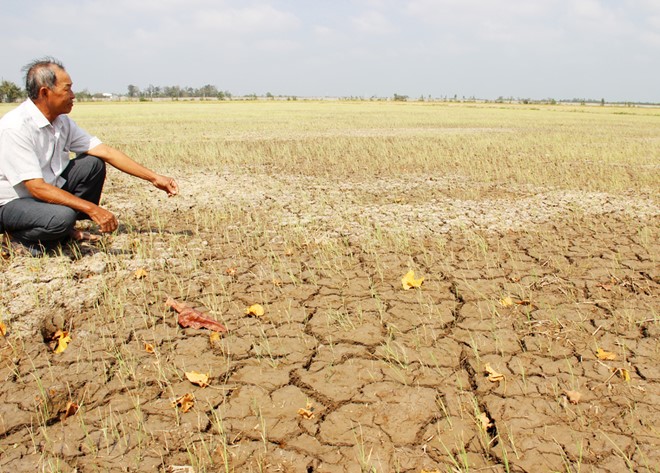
(60, 97)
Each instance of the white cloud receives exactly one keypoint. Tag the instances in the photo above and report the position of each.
(595, 16)
(589, 10)
(324, 31)
(650, 38)
(277, 45)
(654, 21)
(646, 7)
(250, 20)
(373, 22)
(478, 20)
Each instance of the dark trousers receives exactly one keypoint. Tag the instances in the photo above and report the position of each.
(33, 222)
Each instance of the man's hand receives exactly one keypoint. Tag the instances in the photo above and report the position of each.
(105, 219)
(166, 184)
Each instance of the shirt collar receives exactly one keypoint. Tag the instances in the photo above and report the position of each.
(36, 114)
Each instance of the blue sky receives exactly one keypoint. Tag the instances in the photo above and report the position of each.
(484, 48)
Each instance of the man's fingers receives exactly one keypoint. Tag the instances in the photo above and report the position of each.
(168, 185)
(107, 222)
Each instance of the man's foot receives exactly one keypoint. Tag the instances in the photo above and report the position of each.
(14, 248)
(79, 235)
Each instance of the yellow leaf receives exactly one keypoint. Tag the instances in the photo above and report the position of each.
(214, 338)
(200, 379)
(506, 302)
(624, 374)
(493, 375)
(605, 355)
(185, 402)
(255, 309)
(306, 412)
(63, 339)
(140, 273)
(149, 348)
(408, 281)
(573, 396)
(485, 422)
(3, 329)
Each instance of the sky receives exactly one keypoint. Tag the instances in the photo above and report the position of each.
(486, 49)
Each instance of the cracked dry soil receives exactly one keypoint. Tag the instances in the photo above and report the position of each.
(394, 379)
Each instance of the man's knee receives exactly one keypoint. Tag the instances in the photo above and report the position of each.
(31, 220)
(85, 176)
(62, 221)
(91, 165)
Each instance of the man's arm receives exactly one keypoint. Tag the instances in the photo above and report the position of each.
(41, 190)
(119, 160)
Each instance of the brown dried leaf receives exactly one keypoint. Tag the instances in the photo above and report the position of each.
(149, 348)
(605, 355)
(3, 329)
(140, 273)
(493, 375)
(200, 379)
(180, 469)
(185, 402)
(573, 396)
(70, 410)
(189, 317)
(231, 271)
(523, 302)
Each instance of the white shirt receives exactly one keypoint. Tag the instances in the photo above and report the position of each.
(31, 148)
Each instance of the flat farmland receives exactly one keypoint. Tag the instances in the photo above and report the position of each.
(531, 344)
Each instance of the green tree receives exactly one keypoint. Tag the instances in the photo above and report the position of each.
(173, 91)
(133, 90)
(208, 91)
(83, 95)
(9, 92)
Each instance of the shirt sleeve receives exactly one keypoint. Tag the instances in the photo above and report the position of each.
(79, 141)
(18, 161)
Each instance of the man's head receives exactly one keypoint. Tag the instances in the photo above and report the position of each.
(48, 85)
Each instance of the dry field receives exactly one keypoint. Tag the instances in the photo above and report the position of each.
(530, 346)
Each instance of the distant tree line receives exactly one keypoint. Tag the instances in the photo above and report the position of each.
(176, 92)
(10, 92)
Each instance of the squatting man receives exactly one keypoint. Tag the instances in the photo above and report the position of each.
(43, 192)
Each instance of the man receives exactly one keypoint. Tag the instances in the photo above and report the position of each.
(42, 191)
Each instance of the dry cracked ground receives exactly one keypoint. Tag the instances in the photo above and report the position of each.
(346, 371)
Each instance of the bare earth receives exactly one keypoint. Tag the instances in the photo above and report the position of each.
(529, 282)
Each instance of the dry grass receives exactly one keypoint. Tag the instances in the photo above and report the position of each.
(587, 148)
